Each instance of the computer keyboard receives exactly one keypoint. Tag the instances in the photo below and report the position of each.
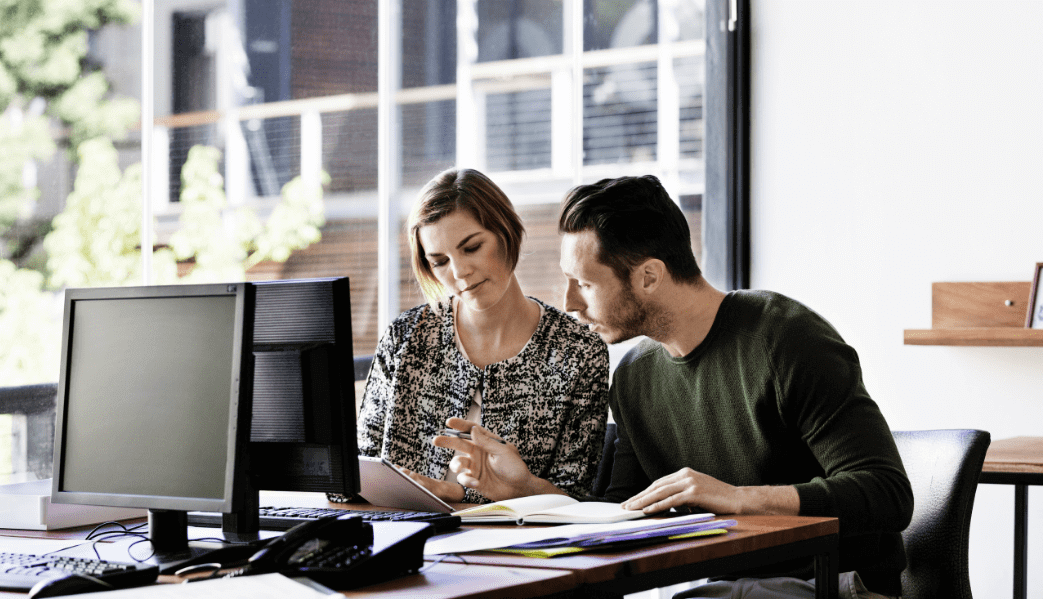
(285, 518)
(21, 571)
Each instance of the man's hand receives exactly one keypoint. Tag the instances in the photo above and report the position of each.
(492, 468)
(446, 491)
(686, 487)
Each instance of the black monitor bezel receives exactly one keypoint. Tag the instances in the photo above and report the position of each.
(236, 484)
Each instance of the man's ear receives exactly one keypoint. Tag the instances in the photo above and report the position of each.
(649, 275)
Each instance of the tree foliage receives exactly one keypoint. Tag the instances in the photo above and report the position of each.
(47, 85)
(44, 76)
(225, 242)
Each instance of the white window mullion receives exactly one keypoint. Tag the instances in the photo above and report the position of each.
(668, 96)
(467, 132)
(572, 15)
(388, 169)
(147, 112)
(311, 148)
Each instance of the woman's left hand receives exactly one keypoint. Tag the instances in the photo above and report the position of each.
(446, 491)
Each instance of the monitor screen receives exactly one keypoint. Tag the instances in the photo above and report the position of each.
(151, 390)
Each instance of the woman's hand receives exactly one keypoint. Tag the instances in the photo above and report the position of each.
(490, 466)
(446, 491)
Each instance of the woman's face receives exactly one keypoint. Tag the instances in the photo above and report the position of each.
(467, 260)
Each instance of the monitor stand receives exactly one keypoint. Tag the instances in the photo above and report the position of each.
(177, 546)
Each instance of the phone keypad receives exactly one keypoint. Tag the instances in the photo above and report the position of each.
(339, 557)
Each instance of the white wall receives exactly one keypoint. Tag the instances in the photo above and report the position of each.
(895, 144)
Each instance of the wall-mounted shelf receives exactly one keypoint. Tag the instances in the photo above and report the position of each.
(978, 314)
(976, 336)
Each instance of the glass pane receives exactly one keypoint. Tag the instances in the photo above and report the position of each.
(428, 42)
(620, 116)
(690, 73)
(349, 150)
(245, 79)
(68, 138)
(619, 23)
(518, 130)
(428, 140)
(518, 29)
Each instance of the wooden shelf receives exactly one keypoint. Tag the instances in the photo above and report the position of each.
(976, 337)
(978, 315)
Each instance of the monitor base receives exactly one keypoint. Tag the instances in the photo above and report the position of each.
(208, 545)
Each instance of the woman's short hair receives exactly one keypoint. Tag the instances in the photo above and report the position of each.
(463, 189)
(634, 220)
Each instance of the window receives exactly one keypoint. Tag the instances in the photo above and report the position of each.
(374, 97)
(539, 94)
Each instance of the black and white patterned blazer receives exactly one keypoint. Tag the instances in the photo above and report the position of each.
(550, 400)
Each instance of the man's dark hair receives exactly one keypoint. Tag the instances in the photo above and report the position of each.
(634, 220)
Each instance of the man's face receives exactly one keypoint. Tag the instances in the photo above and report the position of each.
(595, 295)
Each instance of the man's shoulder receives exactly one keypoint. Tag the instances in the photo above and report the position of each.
(772, 314)
(768, 302)
(641, 357)
(563, 327)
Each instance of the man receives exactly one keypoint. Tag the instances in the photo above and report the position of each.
(739, 403)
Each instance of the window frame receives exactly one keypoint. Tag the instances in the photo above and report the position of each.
(726, 203)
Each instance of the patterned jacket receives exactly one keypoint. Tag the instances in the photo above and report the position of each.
(550, 400)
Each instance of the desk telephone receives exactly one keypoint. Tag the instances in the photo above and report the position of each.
(335, 542)
(344, 552)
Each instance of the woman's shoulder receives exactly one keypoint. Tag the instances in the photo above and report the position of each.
(417, 335)
(420, 315)
(420, 320)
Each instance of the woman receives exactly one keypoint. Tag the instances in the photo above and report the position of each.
(482, 351)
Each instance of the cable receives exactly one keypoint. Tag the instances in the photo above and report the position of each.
(441, 559)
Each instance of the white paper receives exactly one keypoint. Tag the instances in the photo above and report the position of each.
(480, 539)
(263, 586)
(36, 546)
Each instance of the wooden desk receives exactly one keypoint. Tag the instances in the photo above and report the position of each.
(755, 541)
(453, 579)
(1019, 462)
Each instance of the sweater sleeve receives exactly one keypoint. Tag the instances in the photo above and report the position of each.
(378, 395)
(628, 478)
(821, 393)
(583, 428)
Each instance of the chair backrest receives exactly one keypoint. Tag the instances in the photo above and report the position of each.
(608, 452)
(362, 366)
(943, 468)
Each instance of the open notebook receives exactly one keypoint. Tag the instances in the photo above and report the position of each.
(548, 509)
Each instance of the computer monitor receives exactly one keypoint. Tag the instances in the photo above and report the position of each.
(153, 405)
(303, 427)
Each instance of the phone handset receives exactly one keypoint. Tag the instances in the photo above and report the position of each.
(310, 543)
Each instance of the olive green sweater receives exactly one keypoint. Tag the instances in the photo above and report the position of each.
(772, 396)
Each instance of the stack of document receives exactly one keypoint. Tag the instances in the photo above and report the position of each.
(577, 538)
(27, 506)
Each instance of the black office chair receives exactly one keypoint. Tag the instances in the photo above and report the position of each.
(608, 453)
(36, 403)
(943, 467)
(362, 365)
